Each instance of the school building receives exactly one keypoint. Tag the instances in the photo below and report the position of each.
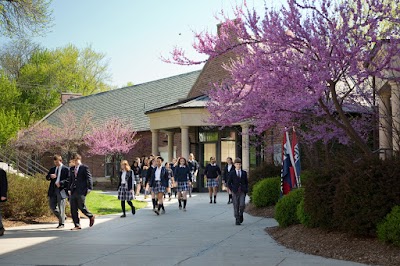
(171, 118)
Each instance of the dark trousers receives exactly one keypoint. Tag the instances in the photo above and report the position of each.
(238, 203)
(1, 223)
(77, 201)
(57, 206)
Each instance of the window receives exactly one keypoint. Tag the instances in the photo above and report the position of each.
(208, 136)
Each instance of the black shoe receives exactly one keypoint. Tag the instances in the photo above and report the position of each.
(241, 218)
(180, 207)
(123, 215)
(156, 212)
(133, 211)
(210, 201)
(215, 201)
(2, 231)
(60, 226)
(237, 222)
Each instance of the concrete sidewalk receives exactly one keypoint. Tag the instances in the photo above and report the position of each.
(204, 235)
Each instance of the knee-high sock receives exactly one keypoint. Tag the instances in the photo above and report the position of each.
(154, 203)
(180, 202)
(123, 206)
(184, 203)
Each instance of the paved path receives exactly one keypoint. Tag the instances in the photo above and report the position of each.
(204, 235)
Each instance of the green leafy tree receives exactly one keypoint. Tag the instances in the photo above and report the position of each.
(9, 125)
(24, 17)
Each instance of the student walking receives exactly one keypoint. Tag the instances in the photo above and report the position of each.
(3, 195)
(170, 179)
(238, 184)
(212, 174)
(150, 172)
(194, 169)
(183, 177)
(228, 168)
(137, 179)
(125, 187)
(80, 184)
(57, 194)
(144, 169)
(158, 183)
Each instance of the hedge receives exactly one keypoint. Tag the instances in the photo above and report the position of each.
(389, 228)
(286, 208)
(266, 192)
(26, 197)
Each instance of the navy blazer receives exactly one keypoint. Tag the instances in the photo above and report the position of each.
(64, 180)
(129, 180)
(3, 183)
(164, 177)
(82, 182)
(226, 172)
(234, 182)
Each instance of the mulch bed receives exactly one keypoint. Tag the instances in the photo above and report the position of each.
(330, 244)
(40, 220)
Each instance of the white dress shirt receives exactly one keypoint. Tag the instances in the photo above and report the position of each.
(158, 174)
(123, 177)
(58, 168)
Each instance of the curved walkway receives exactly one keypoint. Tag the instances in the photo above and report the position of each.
(204, 235)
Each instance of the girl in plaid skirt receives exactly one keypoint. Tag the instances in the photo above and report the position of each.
(183, 177)
(125, 190)
(136, 171)
(170, 179)
(158, 183)
(212, 173)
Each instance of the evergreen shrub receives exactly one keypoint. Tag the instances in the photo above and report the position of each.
(262, 172)
(389, 229)
(286, 208)
(266, 192)
(26, 197)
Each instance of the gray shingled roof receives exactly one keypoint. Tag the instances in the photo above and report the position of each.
(130, 103)
(196, 102)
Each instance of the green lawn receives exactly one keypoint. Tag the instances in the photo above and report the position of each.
(102, 204)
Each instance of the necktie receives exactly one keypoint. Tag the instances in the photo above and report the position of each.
(238, 174)
(76, 171)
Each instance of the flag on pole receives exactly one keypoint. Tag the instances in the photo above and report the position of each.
(286, 180)
(296, 154)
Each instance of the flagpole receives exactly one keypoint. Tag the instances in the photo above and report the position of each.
(295, 168)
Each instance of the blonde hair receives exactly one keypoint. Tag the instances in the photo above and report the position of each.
(127, 166)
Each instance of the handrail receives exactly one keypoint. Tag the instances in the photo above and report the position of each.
(23, 163)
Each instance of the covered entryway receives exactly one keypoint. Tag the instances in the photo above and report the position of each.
(189, 119)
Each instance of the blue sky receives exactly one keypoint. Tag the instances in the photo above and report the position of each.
(135, 33)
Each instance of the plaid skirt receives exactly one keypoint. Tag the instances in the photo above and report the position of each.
(124, 193)
(183, 186)
(212, 182)
(137, 179)
(158, 188)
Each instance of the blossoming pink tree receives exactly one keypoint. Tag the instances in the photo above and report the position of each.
(308, 64)
(64, 138)
(112, 138)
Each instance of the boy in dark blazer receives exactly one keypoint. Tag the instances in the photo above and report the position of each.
(80, 184)
(59, 178)
(238, 183)
(3, 195)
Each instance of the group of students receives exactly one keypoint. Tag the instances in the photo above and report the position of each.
(73, 183)
(158, 179)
